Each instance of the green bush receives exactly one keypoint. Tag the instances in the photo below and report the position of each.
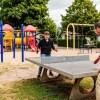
(98, 44)
(54, 40)
(78, 43)
(62, 42)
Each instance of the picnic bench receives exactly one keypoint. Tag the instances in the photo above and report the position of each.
(73, 67)
(87, 47)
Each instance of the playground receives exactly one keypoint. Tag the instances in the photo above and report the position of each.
(15, 69)
(12, 39)
(49, 50)
(18, 45)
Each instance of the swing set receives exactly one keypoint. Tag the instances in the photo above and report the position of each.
(74, 34)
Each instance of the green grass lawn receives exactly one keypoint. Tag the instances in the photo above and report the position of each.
(87, 83)
(35, 90)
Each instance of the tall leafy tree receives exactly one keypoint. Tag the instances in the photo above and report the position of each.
(50, 26)
(81, 11)
(26, 11)
(35, 12)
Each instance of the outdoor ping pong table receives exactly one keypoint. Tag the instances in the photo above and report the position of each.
(73, 67)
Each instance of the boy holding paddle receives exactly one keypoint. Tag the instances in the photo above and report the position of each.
(97, 31)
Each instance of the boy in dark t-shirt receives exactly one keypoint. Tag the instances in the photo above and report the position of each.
(45, 46)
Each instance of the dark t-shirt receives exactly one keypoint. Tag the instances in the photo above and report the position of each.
(45, 46)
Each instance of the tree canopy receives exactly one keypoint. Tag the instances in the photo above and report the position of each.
(35, 12)
(82, 12)
(50, 26)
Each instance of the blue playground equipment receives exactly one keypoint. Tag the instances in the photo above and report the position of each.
(22, 34)
(1, 41)
(14, 44)
(2, 29)
(0, 48)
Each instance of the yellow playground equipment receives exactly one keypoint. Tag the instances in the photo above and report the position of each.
(19, 41)
(8, 39)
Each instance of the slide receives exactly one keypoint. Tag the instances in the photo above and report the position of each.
(34, 48)
(31, 42)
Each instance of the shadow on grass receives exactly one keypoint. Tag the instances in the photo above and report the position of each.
(35, 90)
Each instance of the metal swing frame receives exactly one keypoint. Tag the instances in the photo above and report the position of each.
(74, 36)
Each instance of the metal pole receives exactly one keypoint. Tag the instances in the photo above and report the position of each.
(73, 25)
(26, 42)
(14, 44)
(67, 39)
(1, 31)
(35, 38)
(73, 37)
(82, 37)
(22, 35)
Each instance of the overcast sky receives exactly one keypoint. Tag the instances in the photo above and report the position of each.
(57, 8)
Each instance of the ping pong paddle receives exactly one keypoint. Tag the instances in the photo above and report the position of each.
(97, 60)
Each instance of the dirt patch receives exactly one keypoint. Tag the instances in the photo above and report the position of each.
(18, 74)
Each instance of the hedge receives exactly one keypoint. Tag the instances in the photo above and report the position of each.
(63, 42)
(98, 44)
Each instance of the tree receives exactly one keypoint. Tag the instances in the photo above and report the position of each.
(50, 26)
(16, 12)
(82, 12)
(35, 12)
